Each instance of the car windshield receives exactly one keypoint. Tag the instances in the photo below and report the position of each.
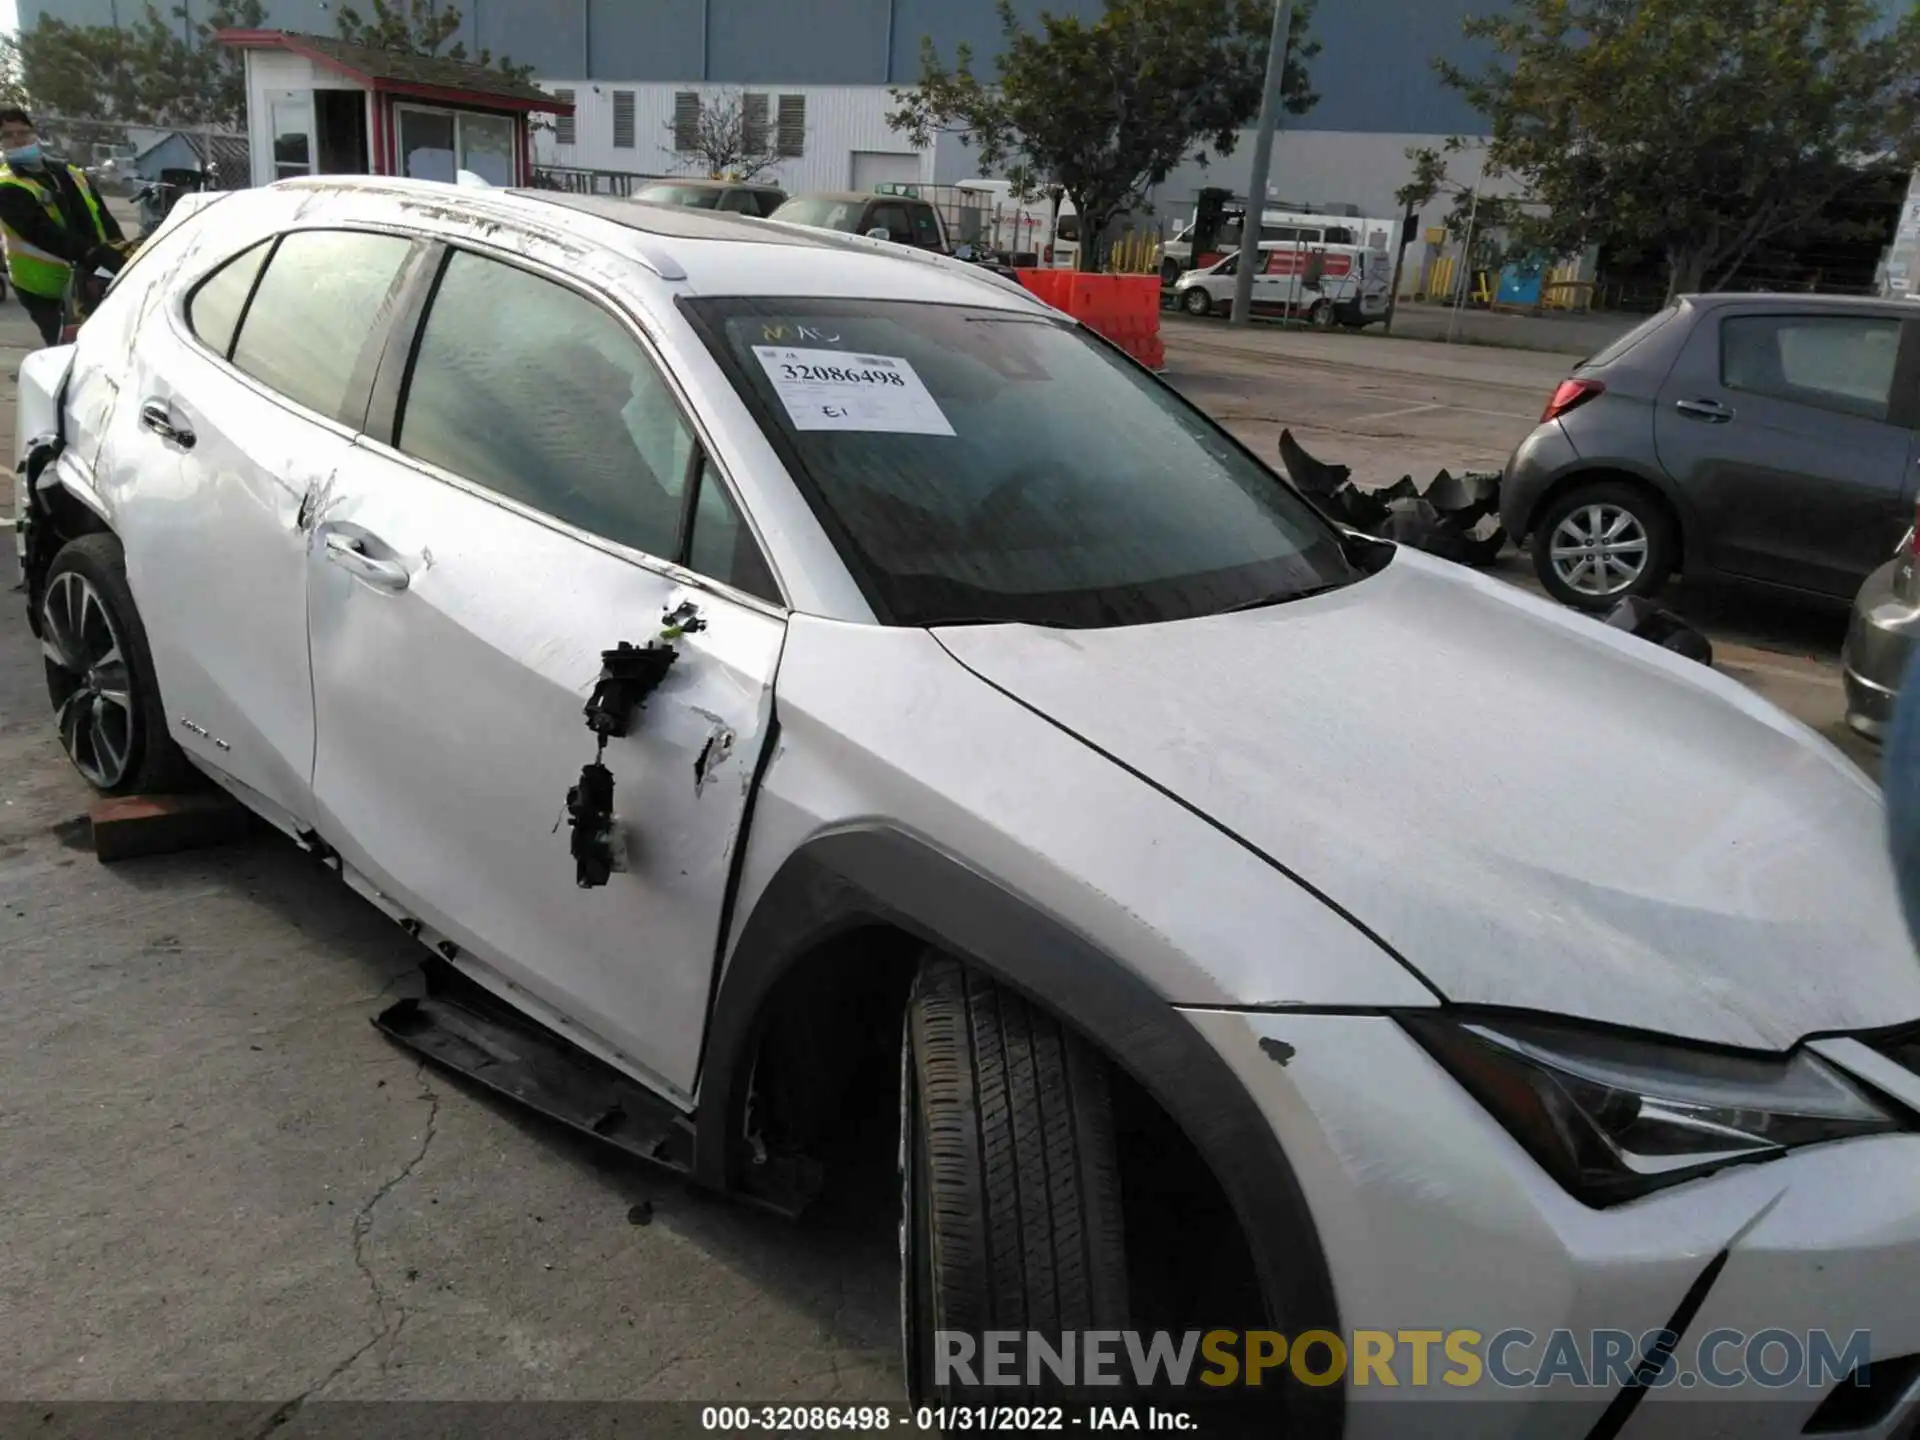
(827, 214)
(979, 465)
(700, 197)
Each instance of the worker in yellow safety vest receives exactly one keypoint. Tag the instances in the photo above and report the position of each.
(51, 219)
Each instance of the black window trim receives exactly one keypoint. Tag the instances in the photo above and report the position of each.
(1903, 399)
(361, 378)
(708, 314)
(394, 372)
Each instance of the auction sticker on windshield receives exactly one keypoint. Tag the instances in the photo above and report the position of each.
(842, 390)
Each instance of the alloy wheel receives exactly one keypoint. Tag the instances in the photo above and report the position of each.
(88, 679)
(1599, 549)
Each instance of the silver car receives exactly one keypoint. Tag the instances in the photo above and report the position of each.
(1880, 640)
(774, 672)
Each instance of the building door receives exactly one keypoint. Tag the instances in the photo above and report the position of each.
(290, 133)
(885, 167)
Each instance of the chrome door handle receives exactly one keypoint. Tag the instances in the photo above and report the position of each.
(346, 552)
(1711, 411)
(157, 416)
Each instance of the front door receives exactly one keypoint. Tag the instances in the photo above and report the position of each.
(223, 435)
(464, 582)
(1785, 433)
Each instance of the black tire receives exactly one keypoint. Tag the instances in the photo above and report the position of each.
(1197, 303)
(152, 763)
(1320, 315)
(1606, 498)
(1011, 1209)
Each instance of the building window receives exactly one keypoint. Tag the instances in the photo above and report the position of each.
(754, 122)
(623, 119)
(790, 138)
(686, 120)
(563, 132)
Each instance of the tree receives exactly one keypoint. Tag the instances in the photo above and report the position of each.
(153, 72)
(724, 140)
(1696, 128)
(419, 27)
(1105, 109)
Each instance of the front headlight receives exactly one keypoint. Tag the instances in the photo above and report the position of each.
(1613, 1117)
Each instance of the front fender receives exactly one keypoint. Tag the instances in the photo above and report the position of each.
(875, 874)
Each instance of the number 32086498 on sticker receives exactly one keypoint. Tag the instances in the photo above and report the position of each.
(838, 390)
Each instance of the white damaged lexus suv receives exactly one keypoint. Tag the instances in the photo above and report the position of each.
(1258, 929)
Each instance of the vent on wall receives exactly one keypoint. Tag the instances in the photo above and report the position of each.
(563, 130)
(790, 137)
(686, 120)
(753, 122)
(623, 119)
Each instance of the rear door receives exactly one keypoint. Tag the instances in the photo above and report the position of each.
(1786, 431)
(538, 497)
(235, 417)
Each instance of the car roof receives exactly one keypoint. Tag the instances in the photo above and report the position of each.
(710, 253)
(701, 182)
(859, 196)
(1798, 300)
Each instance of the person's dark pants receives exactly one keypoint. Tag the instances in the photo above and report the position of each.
(47, 312)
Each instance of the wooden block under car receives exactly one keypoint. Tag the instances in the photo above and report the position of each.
(138, 825)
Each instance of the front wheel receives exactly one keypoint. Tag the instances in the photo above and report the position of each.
(1603, 542)
(1010, 1186)
(1197, 302)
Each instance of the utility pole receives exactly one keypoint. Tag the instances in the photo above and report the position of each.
(1250, 227)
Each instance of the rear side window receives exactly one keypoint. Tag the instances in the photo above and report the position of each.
(740, 202)
(1835, 362)
(770, 201)
(528, 388)
(213, 312)
(322, 296)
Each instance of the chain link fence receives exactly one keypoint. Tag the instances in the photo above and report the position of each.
(121, 157)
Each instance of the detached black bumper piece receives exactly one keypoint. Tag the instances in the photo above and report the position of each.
(461, 1027)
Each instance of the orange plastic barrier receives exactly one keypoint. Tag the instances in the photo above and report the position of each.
(1123, 308)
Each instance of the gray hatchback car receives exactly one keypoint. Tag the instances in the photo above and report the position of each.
(1765, 438)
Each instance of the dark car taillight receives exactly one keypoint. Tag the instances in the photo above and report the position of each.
(1570, 395)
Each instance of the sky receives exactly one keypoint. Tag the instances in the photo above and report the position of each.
(9, 17)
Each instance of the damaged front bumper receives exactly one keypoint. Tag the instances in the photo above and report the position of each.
(1434, 1219)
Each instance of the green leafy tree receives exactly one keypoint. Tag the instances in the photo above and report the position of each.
(419, 27)
(153, 72)
(1697, 129)
(1105, 109)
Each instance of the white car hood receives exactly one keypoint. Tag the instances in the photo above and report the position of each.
(1530, 809)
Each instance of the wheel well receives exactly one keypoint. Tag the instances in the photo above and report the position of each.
(1619, 477)
(826, 1074)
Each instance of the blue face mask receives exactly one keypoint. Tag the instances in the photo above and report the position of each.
(24, 155)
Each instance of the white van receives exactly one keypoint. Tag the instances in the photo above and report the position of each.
(1290, 227)
(1327, 284)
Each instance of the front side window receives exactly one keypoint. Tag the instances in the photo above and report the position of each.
(530, 389)
(213, 311)
(1835, 362)
(693, 197)
(977, 465)
(322, 296)
(741, 202)
(827, 214)
(893, 219)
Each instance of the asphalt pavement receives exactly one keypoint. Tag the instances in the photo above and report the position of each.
(218, 1180)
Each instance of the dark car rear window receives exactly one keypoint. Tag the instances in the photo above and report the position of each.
(982, 465)
(698, 197)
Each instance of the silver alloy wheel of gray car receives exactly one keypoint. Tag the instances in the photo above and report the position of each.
(91, 685)
(1599, 549)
